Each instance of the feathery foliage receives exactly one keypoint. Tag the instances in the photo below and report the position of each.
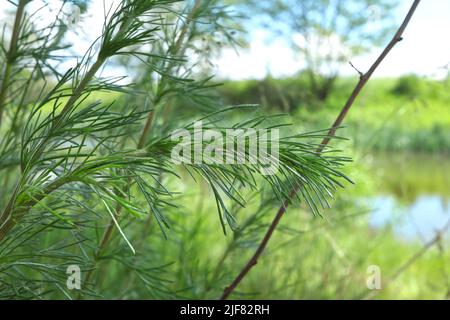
(81, 173)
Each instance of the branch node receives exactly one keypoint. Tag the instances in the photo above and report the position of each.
(356, 69)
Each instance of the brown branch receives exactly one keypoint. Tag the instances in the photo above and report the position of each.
(361, 83)
(11, 55)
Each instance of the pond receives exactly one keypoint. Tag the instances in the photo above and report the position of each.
(412, 194)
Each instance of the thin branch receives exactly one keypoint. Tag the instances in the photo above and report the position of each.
(11, 55)
(175, 49)
(356, 69)
(361, 83)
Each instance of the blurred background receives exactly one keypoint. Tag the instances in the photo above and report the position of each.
(294, 57)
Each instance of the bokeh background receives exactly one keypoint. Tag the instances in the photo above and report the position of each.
(398, 132)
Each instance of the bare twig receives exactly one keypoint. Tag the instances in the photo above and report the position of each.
(361, 83)
(356, 69)
(11, 55)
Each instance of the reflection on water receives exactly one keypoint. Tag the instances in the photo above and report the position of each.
(420, 219)
(413, 195)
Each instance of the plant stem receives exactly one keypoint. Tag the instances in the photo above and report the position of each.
(172, 51)
(79, 90)
(146, 130)
(11, 55)
(361, 83)
(6, 222)
(103, 243)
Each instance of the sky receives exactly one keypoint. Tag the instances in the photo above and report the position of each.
(424, 51)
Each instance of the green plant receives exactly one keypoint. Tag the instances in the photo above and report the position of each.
(82, 176)
(409, 86)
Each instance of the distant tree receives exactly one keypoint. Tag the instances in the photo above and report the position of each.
(325, 32)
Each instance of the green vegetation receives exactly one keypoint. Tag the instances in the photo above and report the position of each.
(399, 131)
(405, 114)
(88, 181)
(85, 178)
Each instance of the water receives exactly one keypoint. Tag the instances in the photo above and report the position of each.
(419, 220)
(413, 195)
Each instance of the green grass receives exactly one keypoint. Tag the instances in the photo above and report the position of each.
(308, 258)
(389, 115)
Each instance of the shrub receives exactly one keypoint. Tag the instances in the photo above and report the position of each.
(84, 178)
(410, 86)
